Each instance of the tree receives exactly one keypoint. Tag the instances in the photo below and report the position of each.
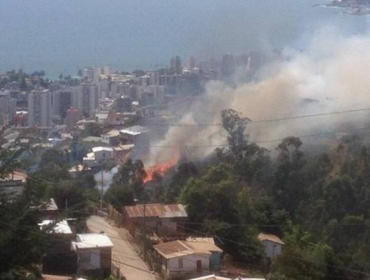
(93, 129)
(138, 73)
(235, 125)
(119, 196)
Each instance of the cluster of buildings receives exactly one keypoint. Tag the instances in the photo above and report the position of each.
(100, 91)
(115, 102)
(87, 254)
(175, 254)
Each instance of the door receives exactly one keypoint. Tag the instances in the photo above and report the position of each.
(199, 265)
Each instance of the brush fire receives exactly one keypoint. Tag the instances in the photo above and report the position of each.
(160, 169)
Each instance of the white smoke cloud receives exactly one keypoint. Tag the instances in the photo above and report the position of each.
(331, 74)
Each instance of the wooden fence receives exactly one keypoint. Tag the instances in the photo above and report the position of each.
(115, 216)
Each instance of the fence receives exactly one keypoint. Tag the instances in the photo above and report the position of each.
(115, 216)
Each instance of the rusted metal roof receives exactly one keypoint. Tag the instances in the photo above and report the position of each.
(156, 210)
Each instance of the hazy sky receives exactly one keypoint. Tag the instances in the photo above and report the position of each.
(60, 36)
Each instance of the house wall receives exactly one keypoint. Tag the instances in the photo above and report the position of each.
(111, 140)
(90, 162)
(272, 249)
(215, 261)
(103, 155)
(189, 265)
(88, 259)
(105, 258)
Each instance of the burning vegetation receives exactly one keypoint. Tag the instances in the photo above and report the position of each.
(160, 169)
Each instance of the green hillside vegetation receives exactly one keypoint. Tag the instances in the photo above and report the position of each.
(319, 205)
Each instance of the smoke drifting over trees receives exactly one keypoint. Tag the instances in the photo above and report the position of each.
(330, 75)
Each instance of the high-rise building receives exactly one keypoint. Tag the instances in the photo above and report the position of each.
(88, 73)
(192, 63)
(62, 101)
(228, 66)
(7, 107)
(73, 115)
(86, 98)
(124, 104)
(39, 108)
(107, 70)
(176, 66)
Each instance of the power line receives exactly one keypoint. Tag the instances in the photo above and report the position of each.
(256, 141)
(244, 244)
(264, 121)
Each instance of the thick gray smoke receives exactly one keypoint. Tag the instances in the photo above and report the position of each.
(331, 74)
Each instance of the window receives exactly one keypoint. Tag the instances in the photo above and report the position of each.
(181, 264)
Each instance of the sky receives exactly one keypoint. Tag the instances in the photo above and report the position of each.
(61, 36)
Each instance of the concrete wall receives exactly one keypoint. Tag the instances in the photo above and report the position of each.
(172, 267)
(103, 155)
(92, 259)
(272, 249)
(215, 261)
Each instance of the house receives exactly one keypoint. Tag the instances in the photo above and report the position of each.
(121, 151)
(99, 156)
(191, 257)
(102, 117)
(162, 219)
(133, 134)
(13, 184)
(273, 244)
(91, 139)
(49, 210)
(111, 138)
(59, 258)
(74, 170)
(94, 254)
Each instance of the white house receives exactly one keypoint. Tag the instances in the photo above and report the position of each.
(13, 184)
(98, 156)
(94, 253)
(273, 244)
(111, 137)
(190, 257)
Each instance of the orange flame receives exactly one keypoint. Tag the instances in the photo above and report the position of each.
(161, 169)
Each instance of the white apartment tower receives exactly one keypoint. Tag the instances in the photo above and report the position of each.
(7, 107)
(86, 98)
(39, 108)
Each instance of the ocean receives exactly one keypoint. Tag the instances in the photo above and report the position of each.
(62, 36)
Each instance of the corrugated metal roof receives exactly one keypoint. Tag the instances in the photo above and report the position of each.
(157, 210)
(92, 240)
(134, 130)
(202, 245)
(270, 237)
(174, 249)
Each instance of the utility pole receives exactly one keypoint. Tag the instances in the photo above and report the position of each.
(101, 186)
(144, 234)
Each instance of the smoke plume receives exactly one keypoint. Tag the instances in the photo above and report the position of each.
(330, 75)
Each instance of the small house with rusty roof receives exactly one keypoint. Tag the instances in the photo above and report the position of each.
(161, 219)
